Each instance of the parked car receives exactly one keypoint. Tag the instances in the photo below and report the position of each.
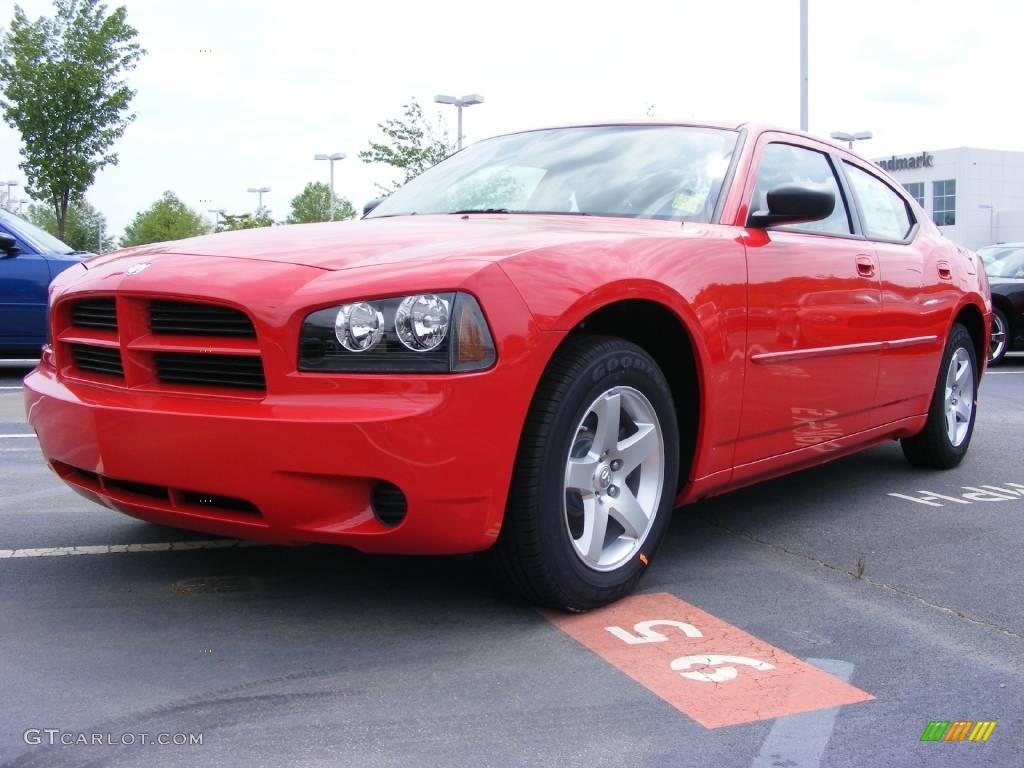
(30, 258)
(539, 347)
(1004, 265)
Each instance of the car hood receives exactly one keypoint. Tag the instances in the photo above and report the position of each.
(369, 242)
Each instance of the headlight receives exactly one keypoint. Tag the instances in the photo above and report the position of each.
(422, 322)
(422, 333)
(358, 327)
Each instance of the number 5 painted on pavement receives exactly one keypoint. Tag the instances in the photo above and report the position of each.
(645, 631)
(720, 675)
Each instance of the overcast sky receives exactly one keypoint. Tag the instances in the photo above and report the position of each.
(287, 79)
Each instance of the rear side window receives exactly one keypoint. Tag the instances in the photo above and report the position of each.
(788, 164)
(886, 214)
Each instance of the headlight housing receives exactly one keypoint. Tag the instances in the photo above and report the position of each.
(418, 333)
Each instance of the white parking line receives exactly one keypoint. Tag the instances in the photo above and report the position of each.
(18, 388)
(802, 739)
(1001, 373)
(110, 549)
(29, 434)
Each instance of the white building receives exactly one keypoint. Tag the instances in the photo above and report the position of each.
(976, 196)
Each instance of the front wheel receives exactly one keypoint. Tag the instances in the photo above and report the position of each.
(1000, 336)
(595, 477)
(943, 442)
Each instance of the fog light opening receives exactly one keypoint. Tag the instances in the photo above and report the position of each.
(388, 503)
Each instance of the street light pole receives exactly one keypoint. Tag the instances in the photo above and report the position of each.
(217, 213)
(259, 191)
(849, 138)
(9, 184)
(465, 101)
(331, 158)
(803, 65)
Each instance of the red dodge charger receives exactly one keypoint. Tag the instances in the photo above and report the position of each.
(541, 346)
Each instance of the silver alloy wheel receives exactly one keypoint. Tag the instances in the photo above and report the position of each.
(998, 343)
(959, 397)
(613, 478)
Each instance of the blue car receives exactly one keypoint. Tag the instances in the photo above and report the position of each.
(29, 259)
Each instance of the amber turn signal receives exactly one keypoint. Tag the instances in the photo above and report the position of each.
(473, 349)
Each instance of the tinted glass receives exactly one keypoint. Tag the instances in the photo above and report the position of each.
(657, 172)
(885, 213)
(787, 164)
(40, 239)
(1002, 261)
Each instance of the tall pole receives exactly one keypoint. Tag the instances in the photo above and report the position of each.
(465, 101)
(330, 202)
(803, 65)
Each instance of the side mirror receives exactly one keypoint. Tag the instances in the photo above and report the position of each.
(371, 205)
(8, 246)
(793, 204)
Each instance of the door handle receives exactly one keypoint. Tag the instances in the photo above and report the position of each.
(865, 266)
(944, 270)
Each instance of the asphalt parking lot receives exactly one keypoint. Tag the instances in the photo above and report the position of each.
(316, 656)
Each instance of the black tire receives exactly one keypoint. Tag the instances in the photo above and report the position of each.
(535, 555)
(932, 447)
(998, 316)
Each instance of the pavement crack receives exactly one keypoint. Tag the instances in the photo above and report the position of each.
(966, 617)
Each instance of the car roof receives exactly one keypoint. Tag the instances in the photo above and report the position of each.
(753, 127)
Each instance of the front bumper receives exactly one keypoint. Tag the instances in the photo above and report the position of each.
(300, 462)
(285, 472)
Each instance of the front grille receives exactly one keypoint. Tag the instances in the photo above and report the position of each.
(95, 313)
(178, 318)
(98, 360)
(227, 503)
(210, 370)
(162, 497)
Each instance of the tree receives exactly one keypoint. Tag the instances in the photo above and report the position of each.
(313, 203)
(412, 144)
(259, 219)
(166, 219)
(82, 227)
(63, 92)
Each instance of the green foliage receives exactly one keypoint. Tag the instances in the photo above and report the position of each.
(313, 203)
(411, 144)
(167, 219)
(62, 91)
(81, 228)
(230, 222)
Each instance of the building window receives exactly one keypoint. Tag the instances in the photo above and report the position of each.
(944, 202)
(916, 190)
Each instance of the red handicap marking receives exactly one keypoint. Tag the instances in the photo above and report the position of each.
(707, 669)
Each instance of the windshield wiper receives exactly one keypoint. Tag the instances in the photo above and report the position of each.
(483, 210)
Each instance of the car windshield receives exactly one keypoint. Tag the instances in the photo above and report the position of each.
(40, 239)
(1002, 261)
(654, 172)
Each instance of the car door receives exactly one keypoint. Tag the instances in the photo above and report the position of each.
(814, 309)
(913, 319)
(24, 278)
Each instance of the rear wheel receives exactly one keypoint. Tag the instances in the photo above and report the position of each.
(943, 442)
(595, 477)
(1000, 336)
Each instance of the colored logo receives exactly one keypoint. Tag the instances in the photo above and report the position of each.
(134, 269)
(958, 730)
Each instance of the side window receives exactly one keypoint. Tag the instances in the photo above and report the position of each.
(886, 214)
(788, 164)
